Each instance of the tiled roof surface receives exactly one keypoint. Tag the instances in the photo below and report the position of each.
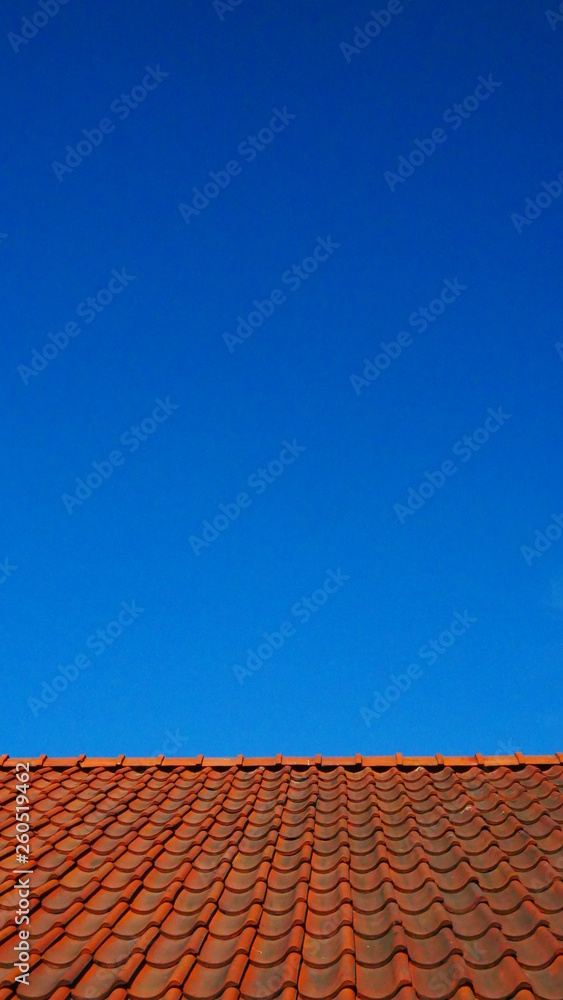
(377, 878)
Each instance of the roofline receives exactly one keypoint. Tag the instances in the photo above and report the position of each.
(224, 763)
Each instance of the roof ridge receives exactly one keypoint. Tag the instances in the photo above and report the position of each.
(318, 761)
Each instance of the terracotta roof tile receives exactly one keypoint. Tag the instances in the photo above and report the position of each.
(289, 878)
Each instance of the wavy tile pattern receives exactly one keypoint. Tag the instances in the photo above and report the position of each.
(298, 879)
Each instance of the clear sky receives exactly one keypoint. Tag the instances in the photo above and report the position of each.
(282, 395)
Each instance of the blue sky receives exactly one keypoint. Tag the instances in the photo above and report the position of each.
(262, 281)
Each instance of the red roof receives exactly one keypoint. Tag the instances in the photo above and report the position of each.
(291, 878)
